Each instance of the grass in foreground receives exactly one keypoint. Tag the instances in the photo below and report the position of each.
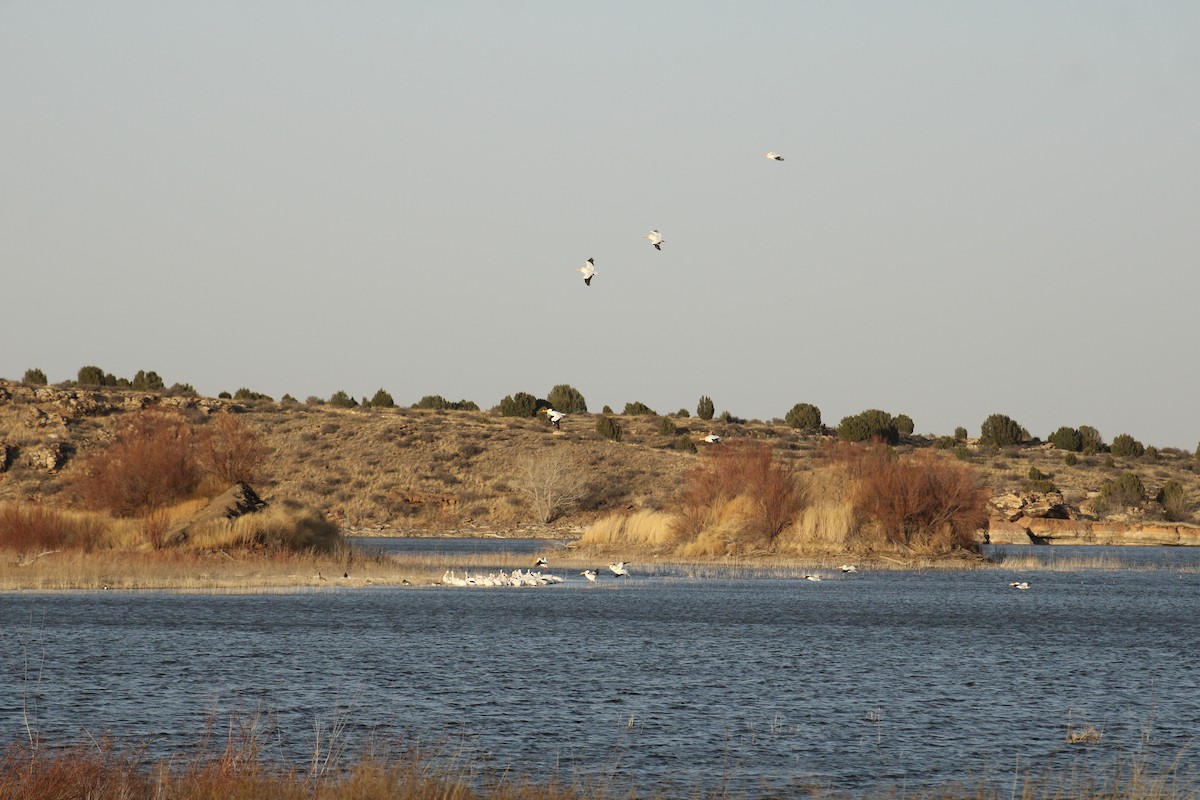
(237, 770)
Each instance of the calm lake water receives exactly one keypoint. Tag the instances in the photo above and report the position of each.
(856, 685)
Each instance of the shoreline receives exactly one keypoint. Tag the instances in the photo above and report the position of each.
(256, 573)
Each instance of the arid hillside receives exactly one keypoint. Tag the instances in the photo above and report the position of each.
(403, 469)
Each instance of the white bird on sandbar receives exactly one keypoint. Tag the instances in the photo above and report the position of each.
(655, 239)
(619, 569)
(555, 416)
(773, 155)
(590, 574)
(588, 270)
(712, 438)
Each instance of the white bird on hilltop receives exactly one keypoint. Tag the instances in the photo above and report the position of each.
(555, 416)
(620, 569)
(588, 270)
(712, 438)
(590, 574)
(655, 239)
(849, 568)
(773, 155)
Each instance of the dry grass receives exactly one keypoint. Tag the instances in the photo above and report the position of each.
(419, 470)
(237, 766)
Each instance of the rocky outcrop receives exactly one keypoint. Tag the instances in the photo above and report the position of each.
(7, 451)
(1042, 530)
(235, 501)
(1012, 506)
(47, 457)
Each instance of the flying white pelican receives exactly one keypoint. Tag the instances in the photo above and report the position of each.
(655, 239)
(814, 578)
(712, 438)
(849, 568)
(773, 155)
(588, 270)
(590, 574)
(1019, 584)
(542, 563)
(619, 569)
(555, 416)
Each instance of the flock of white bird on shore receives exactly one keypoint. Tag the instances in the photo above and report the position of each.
(520, 577)
(618, 569)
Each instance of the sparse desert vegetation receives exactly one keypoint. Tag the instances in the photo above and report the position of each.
(123, 466)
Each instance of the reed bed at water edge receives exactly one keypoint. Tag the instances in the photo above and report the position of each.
(238, 769)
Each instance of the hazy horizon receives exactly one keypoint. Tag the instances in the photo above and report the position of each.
(983, 208)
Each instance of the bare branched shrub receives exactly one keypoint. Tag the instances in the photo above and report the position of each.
(230, 450)
(149, 464)
(554, 483)
(741, 470)
(928, 500)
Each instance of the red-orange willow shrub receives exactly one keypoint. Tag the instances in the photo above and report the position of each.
(741, 469)
(926, 500)
(35, 527)
(148, 465)
(230, 450)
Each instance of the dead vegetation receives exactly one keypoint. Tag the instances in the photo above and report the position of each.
(414, 470)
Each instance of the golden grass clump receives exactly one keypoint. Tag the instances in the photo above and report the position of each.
(285, 526)
(645, 528)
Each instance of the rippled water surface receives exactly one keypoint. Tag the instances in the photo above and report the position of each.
(855, 684)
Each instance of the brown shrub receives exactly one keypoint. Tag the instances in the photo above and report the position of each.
(35, 527)
(148, 465)
(926, 500)
(741, 470)
(230, 450)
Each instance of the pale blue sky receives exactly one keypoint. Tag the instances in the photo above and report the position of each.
(985, 207)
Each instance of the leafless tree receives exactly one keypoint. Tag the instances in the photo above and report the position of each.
(554, 482)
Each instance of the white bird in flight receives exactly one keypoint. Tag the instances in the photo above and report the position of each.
(555, 416)
(588, 270)
(814, 578)
(619, 569)
(773, 155)
(1019, 584)
(655, 239)
(849, 568)
(590, 574)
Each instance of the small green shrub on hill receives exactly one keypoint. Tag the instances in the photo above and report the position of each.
(382, 399)
(1066, 438)
(608, 428)
(567, 399)
(638, 408)
(705, 408)
(804, 416)
(340, 399)
(999, 430)
(868, 425)
(521, 404)
(35, 377)
(1125, 446)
